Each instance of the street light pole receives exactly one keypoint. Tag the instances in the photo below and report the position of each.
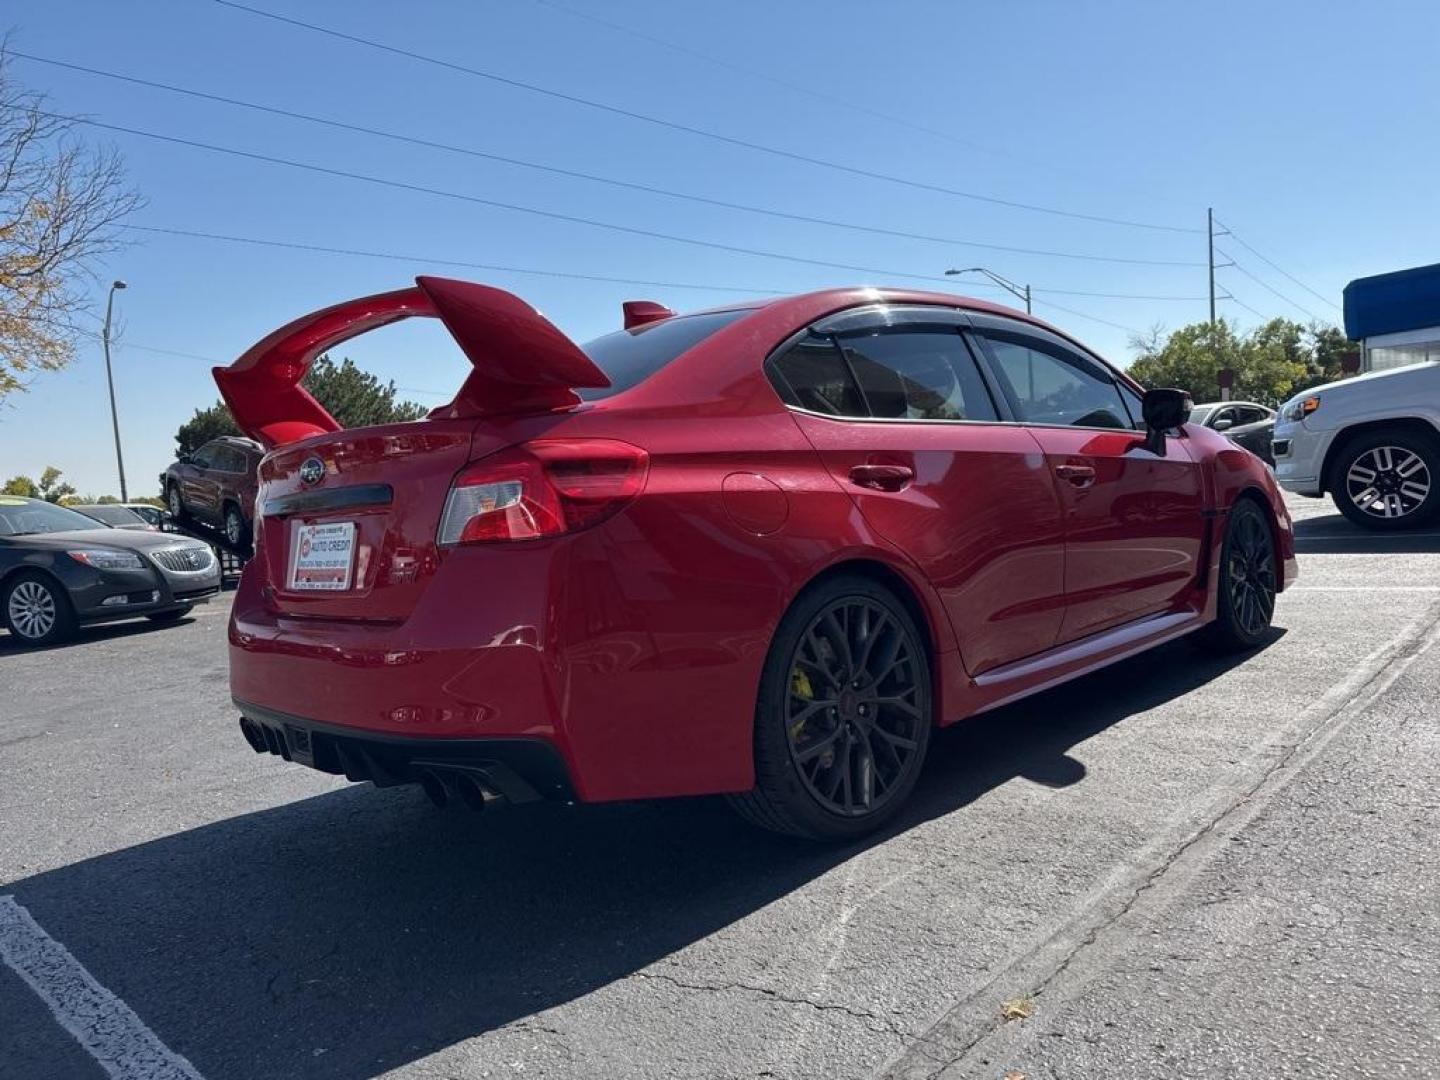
(110, 381)
(1020, 291)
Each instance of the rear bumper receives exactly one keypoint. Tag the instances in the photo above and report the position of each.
(514, 769)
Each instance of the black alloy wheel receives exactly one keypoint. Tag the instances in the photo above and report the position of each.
(1245, 602)
(844, 715)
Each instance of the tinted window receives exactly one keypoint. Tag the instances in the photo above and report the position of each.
(628, 357)
(1051, 385)
(112, 515)
(917, 375)
(1250, 414)
(1135, 404)
(22, 517)
(813, 375)
(204, 457)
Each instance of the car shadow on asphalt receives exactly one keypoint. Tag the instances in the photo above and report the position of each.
(1335, 534)
(96, 634)
(347, 934)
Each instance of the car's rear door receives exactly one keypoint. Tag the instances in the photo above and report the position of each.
(897, 407)
(1133, 519)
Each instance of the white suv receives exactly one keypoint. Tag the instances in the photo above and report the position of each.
(1372, 442)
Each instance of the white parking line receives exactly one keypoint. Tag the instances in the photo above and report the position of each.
(1362, 588)
(103, 1024)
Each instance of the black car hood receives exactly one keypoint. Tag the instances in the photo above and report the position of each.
(133, 539)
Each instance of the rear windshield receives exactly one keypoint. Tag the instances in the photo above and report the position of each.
(111, 515)
(628, 357)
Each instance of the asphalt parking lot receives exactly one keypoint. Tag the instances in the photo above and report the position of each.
(1182, 866)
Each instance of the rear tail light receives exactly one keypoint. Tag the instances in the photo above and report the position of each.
(542, 488)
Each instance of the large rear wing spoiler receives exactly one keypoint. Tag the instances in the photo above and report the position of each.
(520, 361)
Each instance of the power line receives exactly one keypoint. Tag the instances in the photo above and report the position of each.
(890, 119)
(591, 177)
(615, 110)
(1270, 288)
(291, 245)
(1319, 296)
(633, 230)
(1092, 318)
(396, 257)
(1236, 300)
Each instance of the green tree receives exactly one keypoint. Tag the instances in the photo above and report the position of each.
(50, 488)
(353, 397)
(1270, 362)
(22, 486)
(206, 424)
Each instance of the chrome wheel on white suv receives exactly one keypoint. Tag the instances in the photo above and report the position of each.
(1387, 481)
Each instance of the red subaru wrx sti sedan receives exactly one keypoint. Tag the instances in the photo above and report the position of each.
(759, 551)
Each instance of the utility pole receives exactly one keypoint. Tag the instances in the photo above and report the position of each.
(110, 381)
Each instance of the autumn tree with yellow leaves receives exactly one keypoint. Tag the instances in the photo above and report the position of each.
(61, 202)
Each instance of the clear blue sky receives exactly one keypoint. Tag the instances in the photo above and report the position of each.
(1308, 126)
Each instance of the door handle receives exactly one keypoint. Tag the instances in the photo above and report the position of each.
(1079, 475)
(881, 477)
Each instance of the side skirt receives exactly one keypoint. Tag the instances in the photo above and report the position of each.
(1034, 674)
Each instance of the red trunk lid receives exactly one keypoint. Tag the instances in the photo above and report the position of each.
(383, 489)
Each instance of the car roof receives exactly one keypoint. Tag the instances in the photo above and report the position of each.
(828, 301)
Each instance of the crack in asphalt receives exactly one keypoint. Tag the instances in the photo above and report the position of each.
(1354, 703)
(888, 1024)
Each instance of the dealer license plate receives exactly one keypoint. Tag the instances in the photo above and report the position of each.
(322, 556)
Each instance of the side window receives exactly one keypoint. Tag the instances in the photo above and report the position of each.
(917, 375)
(1051, 385)
(204, 458)
(1219, 416)
(1250, 414)
(812, 375)
(1134, 404)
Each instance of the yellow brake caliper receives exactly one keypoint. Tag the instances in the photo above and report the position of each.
(801, 688)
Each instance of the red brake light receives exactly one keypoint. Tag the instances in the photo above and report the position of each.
(542, 488)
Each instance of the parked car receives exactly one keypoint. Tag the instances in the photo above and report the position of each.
(1242, 422)
(216, 485)
(151, 515)
(760, 550)
(59, 569)
(114, 515)
(1371, 442)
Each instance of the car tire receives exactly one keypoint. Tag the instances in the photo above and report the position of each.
(1401, 469)
(37, 610)
(173, 615)
(1246, 585)
(175, 503)
(821, 783)
(237, 533)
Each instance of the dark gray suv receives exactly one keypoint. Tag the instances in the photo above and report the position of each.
(216, 486)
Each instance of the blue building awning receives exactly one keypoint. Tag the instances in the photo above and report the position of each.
(1390, 303)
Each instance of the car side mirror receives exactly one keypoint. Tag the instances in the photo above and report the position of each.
(1224, 425)
(1164, 409)
(183, 459)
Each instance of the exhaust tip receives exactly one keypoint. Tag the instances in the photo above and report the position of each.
(469, 791)
(434, 788)
(253, 735)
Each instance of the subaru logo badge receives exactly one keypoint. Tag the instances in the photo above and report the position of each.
(312, 471)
